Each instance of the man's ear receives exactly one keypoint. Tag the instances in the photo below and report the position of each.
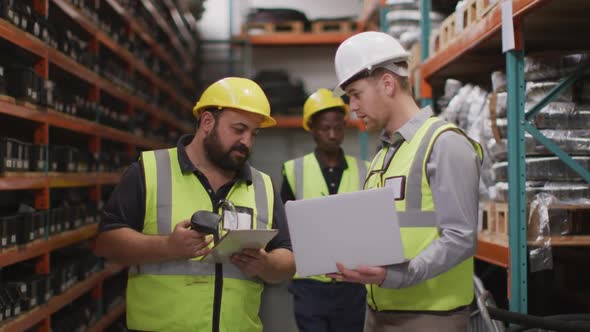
(207, 121)
(389, 84)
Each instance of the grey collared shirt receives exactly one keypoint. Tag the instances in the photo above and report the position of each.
(453, 173)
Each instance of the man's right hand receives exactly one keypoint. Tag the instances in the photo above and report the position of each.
(187, 243)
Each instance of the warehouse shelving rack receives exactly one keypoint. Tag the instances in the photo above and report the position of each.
(472, 56)
(366, 21)
(42, 120)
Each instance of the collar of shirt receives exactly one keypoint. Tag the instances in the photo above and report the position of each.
(409, 129)
(342, 164)
(186, 165)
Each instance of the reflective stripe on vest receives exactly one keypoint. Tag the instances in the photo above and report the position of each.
(190, 268)
(158, 294)
(417, 217)
(164, 212)
(299, 174)
(413, 216)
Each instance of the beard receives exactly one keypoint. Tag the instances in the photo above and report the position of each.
(221, 158)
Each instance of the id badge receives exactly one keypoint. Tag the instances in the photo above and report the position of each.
(398, 183)
(241, 219)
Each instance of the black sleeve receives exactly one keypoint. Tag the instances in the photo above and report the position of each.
(286, 192)
(126, 206)
(279, 221)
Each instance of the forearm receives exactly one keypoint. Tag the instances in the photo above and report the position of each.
(280, 266)
(129, 247)
(442, 255)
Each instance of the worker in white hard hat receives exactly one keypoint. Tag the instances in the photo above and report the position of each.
(434, 170)
(321, 304)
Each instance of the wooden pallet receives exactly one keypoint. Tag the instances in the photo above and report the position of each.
(453, 25)
(415, 57)
(484, 7)
(26, 104)
(568, 223)
(328, 26)
(7, 99)
(495, 219)
(468, 16)
(273, 27)
(446, 33)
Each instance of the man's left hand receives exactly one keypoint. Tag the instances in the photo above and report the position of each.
(368, 275)
(252, 262)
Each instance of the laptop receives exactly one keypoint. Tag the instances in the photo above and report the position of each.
(359, 228)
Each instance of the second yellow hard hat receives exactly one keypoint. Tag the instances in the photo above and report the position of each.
(321, 100)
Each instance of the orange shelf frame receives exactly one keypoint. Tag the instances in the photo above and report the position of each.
(67, 64)
(467, 41)
(147, 38)
(26, 181)
(66, 180)
(39, 247)
(493, 250)
(164, 26)
(22, 39)
(86, 24)
(31, 318)
(286, 121)
(60, 120)
(370, 11)
(298, 39)
(23, 182)
(109, 318)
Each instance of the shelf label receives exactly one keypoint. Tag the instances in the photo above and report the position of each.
(507, 26)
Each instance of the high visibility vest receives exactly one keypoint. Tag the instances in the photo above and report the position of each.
(179, 295)
(416, 213)
(306, 180)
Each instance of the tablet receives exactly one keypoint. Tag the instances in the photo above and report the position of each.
(235, 241)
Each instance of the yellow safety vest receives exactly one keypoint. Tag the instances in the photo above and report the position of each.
(305, 178)
(416, 212)
(178, 295)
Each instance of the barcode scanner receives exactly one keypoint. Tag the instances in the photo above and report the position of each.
(206, 222)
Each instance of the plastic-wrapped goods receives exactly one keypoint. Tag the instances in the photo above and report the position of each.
(402, 4)
(452, 87)
(499, 149)
(544, 169)
(457, 105)
(564, 191)
(466, 106)
(535, 91)
(552, 66)
(574, 142)
(498, 81)
(404, 24)
(562, 115)
(570, 100)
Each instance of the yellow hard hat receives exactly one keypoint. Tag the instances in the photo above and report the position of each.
(236, 92)
(319, 101)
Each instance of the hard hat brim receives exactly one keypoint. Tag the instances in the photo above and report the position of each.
(268, 121)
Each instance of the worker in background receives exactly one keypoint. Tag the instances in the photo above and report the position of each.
(321, 304)
(146, 223)
(434, 170)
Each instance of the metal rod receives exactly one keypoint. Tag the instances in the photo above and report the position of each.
(517, 181)
(566, 83)
(562, 155)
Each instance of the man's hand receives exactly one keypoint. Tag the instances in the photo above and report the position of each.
(187, 243)
(252, 262)
(368, 275)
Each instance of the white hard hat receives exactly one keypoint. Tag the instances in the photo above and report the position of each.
(366, 51)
